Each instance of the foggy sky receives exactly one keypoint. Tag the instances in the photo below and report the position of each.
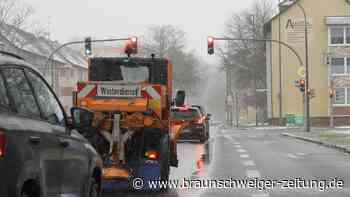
(71, 19)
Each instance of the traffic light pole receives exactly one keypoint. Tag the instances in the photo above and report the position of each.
(307, 125)
(307, 84)
(264, 40)
(73, 43)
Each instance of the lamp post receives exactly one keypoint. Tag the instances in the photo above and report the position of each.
(307, 84)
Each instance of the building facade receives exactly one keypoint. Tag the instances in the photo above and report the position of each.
(66, 68)
(328, 24)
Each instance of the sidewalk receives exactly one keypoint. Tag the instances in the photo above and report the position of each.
(337, 138)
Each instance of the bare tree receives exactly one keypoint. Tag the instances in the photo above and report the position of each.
(247, 58)
(14, 17)
(169, 41)
(164, 40)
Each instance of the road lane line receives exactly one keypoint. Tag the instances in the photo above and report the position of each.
(238, 146)
(241, 150)
(260, 195)
(248, 163)
(292, 156)
(244, 156)
(253, 174)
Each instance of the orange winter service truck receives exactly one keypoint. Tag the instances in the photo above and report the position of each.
(124, 111)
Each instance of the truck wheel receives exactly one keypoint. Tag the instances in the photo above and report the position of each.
(165, 158)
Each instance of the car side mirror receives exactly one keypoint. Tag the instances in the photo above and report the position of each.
(209, 116)
(81, 118)
(180, 98)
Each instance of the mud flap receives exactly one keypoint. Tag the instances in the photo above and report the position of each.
(149, 172)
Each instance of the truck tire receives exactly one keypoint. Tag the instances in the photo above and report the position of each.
(165, 157)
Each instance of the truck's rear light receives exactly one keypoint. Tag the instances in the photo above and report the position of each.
(200, 120)
(152, 155)
(2, 144)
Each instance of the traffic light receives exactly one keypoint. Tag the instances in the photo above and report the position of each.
(211, 45)
(134, 44)
(302, 85)
(88, 50)
(131, 46)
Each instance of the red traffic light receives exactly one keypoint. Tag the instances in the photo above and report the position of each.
(131, 46)
(302, 82)
(211, 45)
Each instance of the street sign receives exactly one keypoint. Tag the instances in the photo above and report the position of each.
(302, 72)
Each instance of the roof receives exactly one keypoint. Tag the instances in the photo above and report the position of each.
(40, 45)
(287, 7)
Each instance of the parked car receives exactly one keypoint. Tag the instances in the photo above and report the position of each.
(206, 117)
(41, 155)
(197, 128)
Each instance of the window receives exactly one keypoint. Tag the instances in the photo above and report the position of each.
(4, 102)
(338, 66)
(21, 92)
(342, 96)
(46, 100)
(337, 35)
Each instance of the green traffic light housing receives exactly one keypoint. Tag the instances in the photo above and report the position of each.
(88, 50)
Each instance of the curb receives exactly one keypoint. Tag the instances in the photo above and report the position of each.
(319, 142)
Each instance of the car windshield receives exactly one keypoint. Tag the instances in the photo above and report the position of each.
(184, 115)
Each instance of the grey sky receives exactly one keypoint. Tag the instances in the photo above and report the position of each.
(112, 18)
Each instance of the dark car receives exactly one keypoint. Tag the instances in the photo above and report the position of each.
(206, 117)
(41, 155)
(196, 129)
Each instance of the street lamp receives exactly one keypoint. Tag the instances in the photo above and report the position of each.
(307, 84)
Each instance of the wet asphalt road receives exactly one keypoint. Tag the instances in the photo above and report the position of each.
(257, 154)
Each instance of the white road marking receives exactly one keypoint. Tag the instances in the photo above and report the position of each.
(244, 156)
(238, 146)
(292, 156)
(253, 174)
(241, 150)
(229, 138)
(260, 195)
(302, 154)
(269, 142)
(249, 163)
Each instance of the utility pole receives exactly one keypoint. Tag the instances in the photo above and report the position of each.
(307, 81)
(331, 100)
(280, 95)
(255, 73)
(237, 109)
(229, 99)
